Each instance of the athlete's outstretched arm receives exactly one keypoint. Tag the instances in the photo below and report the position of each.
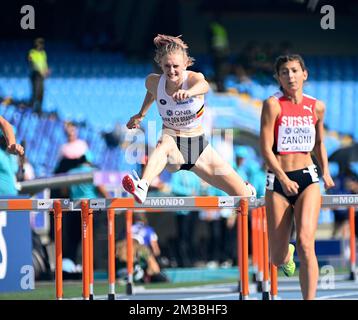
(270, 111)
(197, 86)
(8, 132)
(134, 121)
(319, 148)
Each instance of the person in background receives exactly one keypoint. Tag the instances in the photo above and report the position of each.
(37, 58)
(241, 153)
(146, 252)
(8, 161)
(68, 158)
(341, 221)
(68, 155)
(142, 229)
(146, 267)
(8, 133)
(72, 220)
(74, 148)
(219, 50)
(26, 170)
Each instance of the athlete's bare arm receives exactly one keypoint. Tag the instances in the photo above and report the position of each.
(197, 86)
(319, 148)
(8, 132)
(151, 84)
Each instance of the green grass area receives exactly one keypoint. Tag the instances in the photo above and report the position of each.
(73, 289)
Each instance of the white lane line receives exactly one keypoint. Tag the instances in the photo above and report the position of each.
(338, 295)
(212, 296)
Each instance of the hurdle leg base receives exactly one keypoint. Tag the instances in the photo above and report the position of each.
(352, 276)
(91, 297)
(111, 296)
(253, 278)
(129, 289)
(265, 296)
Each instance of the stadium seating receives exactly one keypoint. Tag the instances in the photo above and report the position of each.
(100, 90)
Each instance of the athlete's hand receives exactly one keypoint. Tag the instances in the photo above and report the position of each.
(16, 149)
(290, 188)
(134, 121)
(181, 95)
(328, 181)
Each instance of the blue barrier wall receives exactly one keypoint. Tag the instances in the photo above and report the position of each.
(16, 270)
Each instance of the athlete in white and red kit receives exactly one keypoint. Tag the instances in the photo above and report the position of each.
(291, 128)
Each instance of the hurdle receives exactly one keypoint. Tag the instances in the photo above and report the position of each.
(349, 201)
(56, 206)
(87, 249)
(241, 204)
(111, 254)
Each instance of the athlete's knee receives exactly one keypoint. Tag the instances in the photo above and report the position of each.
(163, 148)
(305, 247)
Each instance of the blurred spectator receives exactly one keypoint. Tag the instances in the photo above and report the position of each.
(249, 169)
(8, 161)
(7, 131)
(86, 190)
(146, 267)
(255, 61)
(70, 151)
(37, 58)
(265, 63)
(341, 223)
(257, 177)
(245, 63)
(142, 229)
(345, 183)
(241, 153)
(185, 184)
(8, 169)
(219, 50)
(221, 244)
(70, 154)
(26, 170)
(75, 147)
(72, 220)
(352, 185)
(114, 138)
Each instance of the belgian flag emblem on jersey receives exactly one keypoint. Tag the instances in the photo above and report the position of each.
(200, 112)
